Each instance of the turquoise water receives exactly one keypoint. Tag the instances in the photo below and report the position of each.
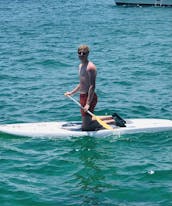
(132, 49)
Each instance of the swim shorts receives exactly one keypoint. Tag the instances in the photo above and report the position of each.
(83, 100)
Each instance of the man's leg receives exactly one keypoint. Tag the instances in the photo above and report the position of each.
(89, 125)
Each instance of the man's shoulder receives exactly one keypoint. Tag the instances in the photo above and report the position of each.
(91, 66)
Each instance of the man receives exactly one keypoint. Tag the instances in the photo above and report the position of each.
(86, 87)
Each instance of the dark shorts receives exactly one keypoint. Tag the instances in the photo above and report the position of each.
(83, 100)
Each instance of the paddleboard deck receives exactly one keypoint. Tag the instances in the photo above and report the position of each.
(68, 129)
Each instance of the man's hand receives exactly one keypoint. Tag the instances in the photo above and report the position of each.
(68, 93)
(86, 107)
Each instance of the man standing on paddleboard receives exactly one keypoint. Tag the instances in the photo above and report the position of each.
(86, 87)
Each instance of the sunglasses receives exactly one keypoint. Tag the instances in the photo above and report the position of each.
(82, 53)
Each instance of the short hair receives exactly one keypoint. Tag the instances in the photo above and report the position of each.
(84, 47)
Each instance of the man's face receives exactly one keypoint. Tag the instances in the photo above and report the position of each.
(82, 54)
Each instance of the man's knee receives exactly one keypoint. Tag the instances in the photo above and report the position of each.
(86, 120)
(89, 125)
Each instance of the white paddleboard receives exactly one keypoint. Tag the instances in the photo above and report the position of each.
(68, 129)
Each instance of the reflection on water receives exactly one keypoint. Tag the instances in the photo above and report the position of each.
(90, 176)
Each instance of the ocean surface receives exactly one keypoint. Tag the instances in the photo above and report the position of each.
(132, 49)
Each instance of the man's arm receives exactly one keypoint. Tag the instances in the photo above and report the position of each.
(92, 80)
(76, 89)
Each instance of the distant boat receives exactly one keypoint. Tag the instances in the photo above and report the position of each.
(156, 3)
